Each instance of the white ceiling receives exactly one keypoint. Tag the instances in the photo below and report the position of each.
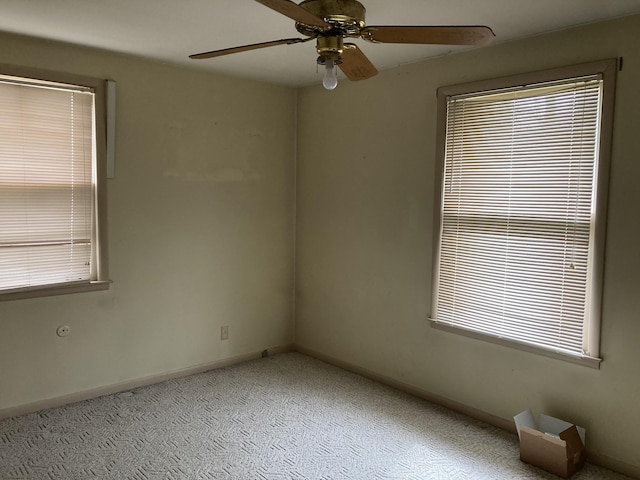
(170, 30)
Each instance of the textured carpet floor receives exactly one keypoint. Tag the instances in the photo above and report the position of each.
(283, 417)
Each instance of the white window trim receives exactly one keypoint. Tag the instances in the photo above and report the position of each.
(608, 69)
(101, 278)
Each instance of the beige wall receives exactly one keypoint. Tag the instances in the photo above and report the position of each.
(365, 241)
(201, 232)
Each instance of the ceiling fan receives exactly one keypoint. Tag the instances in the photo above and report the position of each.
(331, 21)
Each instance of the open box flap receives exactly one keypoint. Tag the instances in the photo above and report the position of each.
(575, 447)
(525, 418)
(576, 454)
(555, 426)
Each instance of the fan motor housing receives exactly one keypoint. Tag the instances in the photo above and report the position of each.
(346, 17)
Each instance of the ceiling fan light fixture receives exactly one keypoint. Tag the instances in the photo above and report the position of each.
(330, 80)
(329, 48)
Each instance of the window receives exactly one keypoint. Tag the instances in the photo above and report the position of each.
(522, 203)
(52, 184)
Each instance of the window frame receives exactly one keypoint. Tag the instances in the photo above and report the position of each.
(606, 68)
(100, 236)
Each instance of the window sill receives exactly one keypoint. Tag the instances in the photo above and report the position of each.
(51, 290)
(591, 362)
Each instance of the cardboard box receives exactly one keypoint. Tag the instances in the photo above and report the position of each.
(554, 445)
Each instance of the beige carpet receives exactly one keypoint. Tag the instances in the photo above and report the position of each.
(283, 417)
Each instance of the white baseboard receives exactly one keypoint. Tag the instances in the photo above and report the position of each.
(135, 383)
(503, 423)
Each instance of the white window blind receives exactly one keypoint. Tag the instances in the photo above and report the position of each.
(518, 209)
(47, 157)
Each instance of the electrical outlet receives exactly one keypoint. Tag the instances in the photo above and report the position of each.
(63, 330)
(224, 332)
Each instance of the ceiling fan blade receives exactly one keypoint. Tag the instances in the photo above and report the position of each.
(294, 12)
(245, 48)
(446, 35)
(355, 64)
